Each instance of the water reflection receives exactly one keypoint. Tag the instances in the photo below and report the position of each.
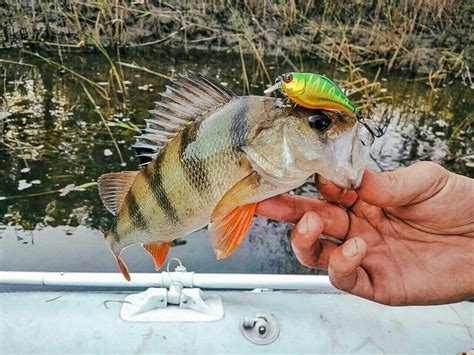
(52, 137)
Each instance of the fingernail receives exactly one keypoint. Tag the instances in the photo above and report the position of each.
(302, 225)
(321, 180)
(349, 249)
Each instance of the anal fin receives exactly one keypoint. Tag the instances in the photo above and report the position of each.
(159, 252)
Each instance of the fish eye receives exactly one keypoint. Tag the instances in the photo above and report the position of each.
(319, 121)
(287, 78)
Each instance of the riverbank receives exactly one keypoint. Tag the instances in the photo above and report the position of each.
(421, 37)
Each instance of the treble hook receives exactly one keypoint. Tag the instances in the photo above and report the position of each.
(375, 127)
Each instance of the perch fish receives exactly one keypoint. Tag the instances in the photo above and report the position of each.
(209, 156)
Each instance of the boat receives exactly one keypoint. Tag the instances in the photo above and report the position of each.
(180, 312)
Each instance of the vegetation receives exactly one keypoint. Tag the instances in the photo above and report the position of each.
(422, 36)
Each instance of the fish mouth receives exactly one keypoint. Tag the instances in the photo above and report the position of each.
(350, 153)
(349, 183)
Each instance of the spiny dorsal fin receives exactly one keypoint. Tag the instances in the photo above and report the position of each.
(185, 101)
(113, 188)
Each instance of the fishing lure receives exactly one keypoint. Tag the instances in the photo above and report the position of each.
(317, 92)
(313, 91)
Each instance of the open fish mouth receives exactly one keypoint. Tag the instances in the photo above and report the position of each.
(349, 154)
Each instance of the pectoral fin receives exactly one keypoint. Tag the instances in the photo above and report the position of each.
(159, 252)
(233, 216)
(227, 233)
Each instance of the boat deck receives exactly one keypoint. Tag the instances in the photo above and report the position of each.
(310, 322)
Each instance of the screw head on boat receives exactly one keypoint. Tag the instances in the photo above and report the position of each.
(261, 328)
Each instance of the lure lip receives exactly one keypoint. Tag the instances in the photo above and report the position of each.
(274, 87)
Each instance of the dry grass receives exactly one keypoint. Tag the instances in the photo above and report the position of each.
(422, 36)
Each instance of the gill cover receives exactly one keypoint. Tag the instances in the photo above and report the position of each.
(276, 155)
(290, 151)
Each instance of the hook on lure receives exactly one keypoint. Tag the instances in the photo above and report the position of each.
(373, 128)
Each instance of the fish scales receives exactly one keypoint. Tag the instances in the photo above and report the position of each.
(195, 169)
(191, 174)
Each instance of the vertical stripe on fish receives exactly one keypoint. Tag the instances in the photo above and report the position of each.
(240, 125)
(154, 178)
(135, 214)
(130, 217)
(194, 169)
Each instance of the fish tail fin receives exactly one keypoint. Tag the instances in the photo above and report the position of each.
(109, 239)
(112, 246)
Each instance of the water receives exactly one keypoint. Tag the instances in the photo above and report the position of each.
(53, 137)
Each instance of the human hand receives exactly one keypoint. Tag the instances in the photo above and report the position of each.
(407, 236)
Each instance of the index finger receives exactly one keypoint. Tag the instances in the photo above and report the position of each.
(290, 208)
(331, 192)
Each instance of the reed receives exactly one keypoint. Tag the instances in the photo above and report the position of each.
(104, 121)
(419, 36)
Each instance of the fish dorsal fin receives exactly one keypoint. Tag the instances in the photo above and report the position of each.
(186, 100)
(113, 188)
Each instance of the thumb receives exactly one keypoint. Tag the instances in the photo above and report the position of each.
(344, 263)
(401, 187)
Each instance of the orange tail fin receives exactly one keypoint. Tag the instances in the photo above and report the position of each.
(120, 262)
